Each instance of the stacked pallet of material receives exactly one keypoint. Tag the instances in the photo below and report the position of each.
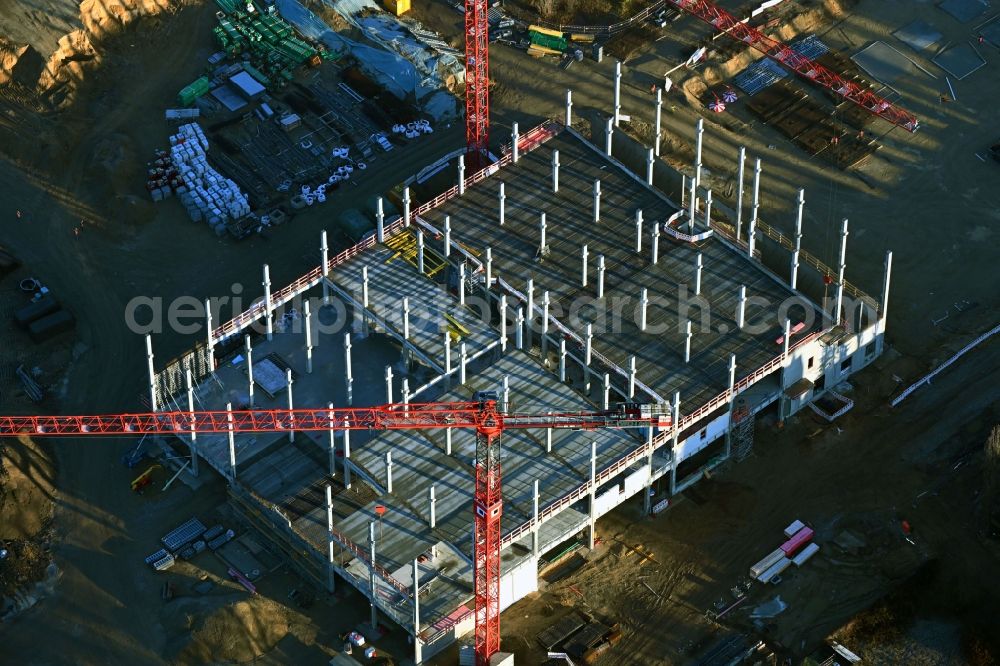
(205, 193)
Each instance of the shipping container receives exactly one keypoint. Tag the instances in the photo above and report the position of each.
(806, 553)
(775, 570)
(45, 305)
(793, 528)
(799, 539)
(51, 326)
(766, 563)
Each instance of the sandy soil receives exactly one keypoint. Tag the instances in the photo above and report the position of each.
(931, 201)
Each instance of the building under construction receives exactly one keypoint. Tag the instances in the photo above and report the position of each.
(561, 281)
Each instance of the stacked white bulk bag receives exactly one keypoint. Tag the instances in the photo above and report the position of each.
(206, 194)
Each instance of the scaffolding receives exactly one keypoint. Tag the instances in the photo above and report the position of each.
(741, 430)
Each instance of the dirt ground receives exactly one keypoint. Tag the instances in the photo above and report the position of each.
(925, 196)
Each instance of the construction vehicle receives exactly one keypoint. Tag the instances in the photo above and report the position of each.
(482, 414)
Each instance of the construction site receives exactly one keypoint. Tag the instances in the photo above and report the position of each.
(554, 359)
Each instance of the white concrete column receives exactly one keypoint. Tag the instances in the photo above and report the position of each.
(732, 376)
(503, 322)
(406, 318)
(505, 402)
(687, 341)
(584, 253)
(562, 360)
(656, 244)
(698, 265)
(700, 134)
(488, 264)
(447, 236)
(268, 307)
(461, 175)
(307, 316)
(534, 522)
(643, 308)
(519, 332)
(631, 377)
(741, 310)
(388, 472)
(502, 201)
(348, 371)
(433, 513)
(588, 346)
(692, 209)
(842, 268)
(542, 240)
(609, 131)
(545, 325)
(332, 439)
(347, 452)
(597, 200)
(232, 441)
(373, 581)
(324, 253)
(600, 276)
(569, 108)
(248, 352)
(708, 209)
(388, 384)
(461, 283)
(420, 251)
(330, 584)
(463, 362)
(592, 532)
(607, 391)
(210, 332)
(291, 406)
(379, 220)
(638, 231)
(786, 339)
(447, 441)
(675, 430)
(555, 170)
(656, 128)
(153, 406)
(751, 231)
(618, 94)
(650, 165)
(364, 287)
(417, 645)
(793, 282)
(447, 352)
(740, 168)
(194, 435)
(885, 285)
(515, 139)
(529, 291)
(548, 438)
(405, 390)
(406, 206)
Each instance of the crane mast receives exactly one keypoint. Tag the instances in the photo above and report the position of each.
(482, 415)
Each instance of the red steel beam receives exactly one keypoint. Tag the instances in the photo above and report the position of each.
(725, 22)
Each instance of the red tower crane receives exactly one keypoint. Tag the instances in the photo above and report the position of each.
(477, 82)
(725, 22)
(482, 415)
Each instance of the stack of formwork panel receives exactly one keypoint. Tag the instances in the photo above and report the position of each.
(206, 194)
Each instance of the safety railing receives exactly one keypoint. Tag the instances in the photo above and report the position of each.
(688, 420)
